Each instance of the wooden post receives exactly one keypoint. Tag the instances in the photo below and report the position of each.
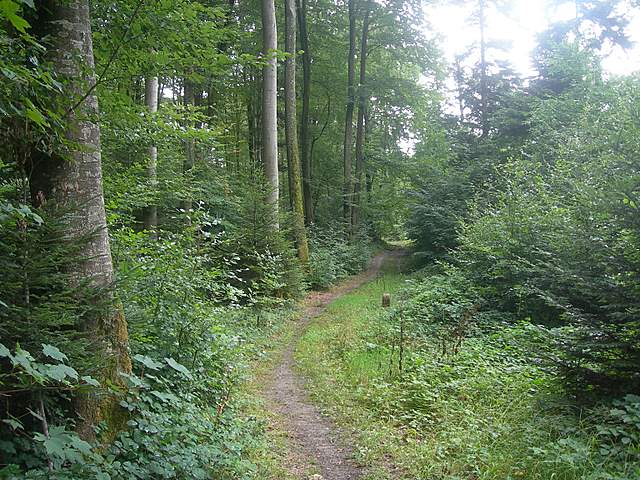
(386, 300)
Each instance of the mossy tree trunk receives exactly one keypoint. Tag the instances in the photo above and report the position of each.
(69, 182)
(348, 122)
(305, 119)
(291, 132)
(360, 128)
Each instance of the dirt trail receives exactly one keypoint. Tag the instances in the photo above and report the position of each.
(315, 439)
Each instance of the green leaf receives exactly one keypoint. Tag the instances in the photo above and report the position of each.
(23, 359)
(9, 9)
(13, 423)
(36, 116)
(80, 445)
(60, 372)
(165, 397)
(90, 381)
(53, 352)
(147, 362)
(4, 351)
(178, 367)
(55, 446)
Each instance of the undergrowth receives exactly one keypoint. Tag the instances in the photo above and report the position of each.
(453, 401)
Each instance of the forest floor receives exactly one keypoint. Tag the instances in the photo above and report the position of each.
(315, 447)
(344, 394)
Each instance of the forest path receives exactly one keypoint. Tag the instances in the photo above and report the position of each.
(314, 439)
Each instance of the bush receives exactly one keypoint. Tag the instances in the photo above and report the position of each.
(333, 257)
(554, 238)
(179, 426)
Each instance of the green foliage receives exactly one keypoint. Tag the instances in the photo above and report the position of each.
(38, 295)
(492, 409)
(548, 232)
(332, 257)
(437, 210)
(179, 426)
(28, 436)
(527, 248)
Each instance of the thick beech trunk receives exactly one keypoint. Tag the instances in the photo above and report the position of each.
(360, 129)
(269, 108)
(151, 212)
(348, 122)
(291, 131)
(70, 184)
(305, 133)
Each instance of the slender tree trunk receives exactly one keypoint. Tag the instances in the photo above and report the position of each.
(71, 184)
(348, 123)
(253, 122)
(190, 153)
(291, 131)
(362, 109)
(151, 212)
(269, 107)
(459, 78)
(290, 181)
(483, 72)
(305, 134)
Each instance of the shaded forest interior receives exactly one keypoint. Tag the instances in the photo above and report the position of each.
(176, 175)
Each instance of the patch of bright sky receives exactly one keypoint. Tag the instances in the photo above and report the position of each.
(519, 25)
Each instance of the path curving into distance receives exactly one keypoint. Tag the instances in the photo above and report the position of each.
(315, 438)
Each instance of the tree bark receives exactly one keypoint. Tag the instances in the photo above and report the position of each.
(269, 108)
(151, 212)
(70, 183)
(362, 109)
(291, 131)
(458, 76)
(189, 154)
(253, 123)
(305, 134)
(348, 122)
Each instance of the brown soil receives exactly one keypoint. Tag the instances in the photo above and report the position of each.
(314, 439)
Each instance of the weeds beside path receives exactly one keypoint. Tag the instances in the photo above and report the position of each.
(315, 446)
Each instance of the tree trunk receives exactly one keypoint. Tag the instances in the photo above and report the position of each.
(253, 123)
(348, 122)
(483, 72)
(291, 131)
(269, 107)
(362, 109)
(70, 183)
(305, 134)
(189, 154)
(151, 212)
(458, 76)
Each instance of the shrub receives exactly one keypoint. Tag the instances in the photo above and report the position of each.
(333, 257)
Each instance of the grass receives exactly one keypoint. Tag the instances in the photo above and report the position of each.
(271, 452)
(486, 413)
(341, 350)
